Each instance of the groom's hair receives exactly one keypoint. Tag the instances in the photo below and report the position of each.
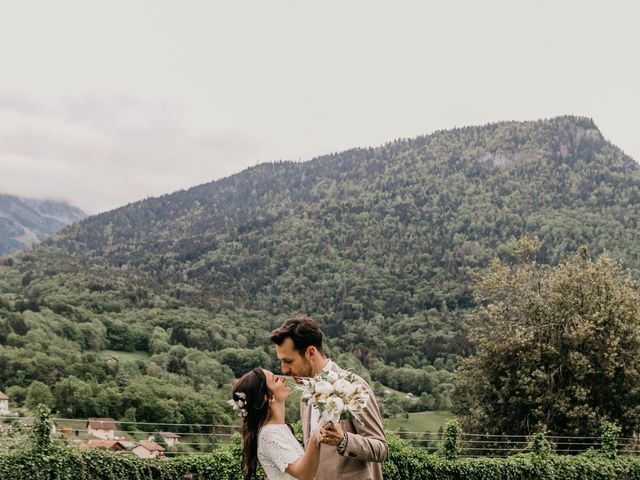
(303, 331)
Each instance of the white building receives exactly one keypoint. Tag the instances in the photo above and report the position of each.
(169, 438)
(4, 404)
(104, 428)
(146, 449)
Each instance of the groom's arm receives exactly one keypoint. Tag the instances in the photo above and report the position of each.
(368, 443)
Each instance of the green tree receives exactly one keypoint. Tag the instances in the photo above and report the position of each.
(450, 446)
(242, 360)
(108, 402)
(94, 334)
(42, 427)
(74, 398)
(159, 341)
(558, 348)
(17, 394)
(39, 393)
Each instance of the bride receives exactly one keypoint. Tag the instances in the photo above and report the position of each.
(259, 399)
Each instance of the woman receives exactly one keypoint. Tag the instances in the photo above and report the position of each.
(259, 399)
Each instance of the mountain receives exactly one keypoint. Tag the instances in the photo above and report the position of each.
(405, 221)
(381, 245)
(25, 221)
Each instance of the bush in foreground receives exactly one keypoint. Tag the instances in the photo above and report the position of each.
(405, 463)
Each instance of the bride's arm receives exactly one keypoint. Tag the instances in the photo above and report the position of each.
(305, 467)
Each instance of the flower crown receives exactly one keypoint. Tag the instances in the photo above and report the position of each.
(239, 405)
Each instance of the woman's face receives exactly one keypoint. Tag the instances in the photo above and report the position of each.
(277, 386)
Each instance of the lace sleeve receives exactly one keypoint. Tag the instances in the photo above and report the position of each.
(275, 446)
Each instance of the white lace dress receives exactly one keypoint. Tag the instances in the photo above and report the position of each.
(277, 449)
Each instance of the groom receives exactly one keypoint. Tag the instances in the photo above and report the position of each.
(351, 450)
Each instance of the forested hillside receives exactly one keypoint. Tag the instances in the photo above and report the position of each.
(379, 244)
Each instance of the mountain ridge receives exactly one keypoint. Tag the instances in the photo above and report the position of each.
(261, 197)
(26, 221)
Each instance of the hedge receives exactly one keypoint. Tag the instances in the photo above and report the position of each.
(405, 463)
(96, 464)
(408, 463)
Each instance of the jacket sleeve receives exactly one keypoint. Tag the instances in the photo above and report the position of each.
(368, 443)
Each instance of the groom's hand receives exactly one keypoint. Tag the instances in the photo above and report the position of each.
(331, 433)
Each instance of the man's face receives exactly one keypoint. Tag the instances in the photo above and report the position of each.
(291, 361)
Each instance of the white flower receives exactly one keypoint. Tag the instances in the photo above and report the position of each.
(356, 405)
(343, 387)
(333, 408)
(239, 405)
(324, 388)
(335, 395)
(331, 376)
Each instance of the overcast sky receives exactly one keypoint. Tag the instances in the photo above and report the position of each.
(107, 102)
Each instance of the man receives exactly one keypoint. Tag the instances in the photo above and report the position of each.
(350, 450)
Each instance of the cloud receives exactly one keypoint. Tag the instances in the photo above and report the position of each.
(100, 152)
(11, 101)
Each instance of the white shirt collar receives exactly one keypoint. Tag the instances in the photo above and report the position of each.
(328, 366)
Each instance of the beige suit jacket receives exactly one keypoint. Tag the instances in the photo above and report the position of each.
(366, 448)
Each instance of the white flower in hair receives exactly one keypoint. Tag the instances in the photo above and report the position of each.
(239, 405)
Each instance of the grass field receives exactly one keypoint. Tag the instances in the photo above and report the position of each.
(123, 356)
(419, 422)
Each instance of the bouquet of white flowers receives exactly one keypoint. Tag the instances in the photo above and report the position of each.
(337, 396)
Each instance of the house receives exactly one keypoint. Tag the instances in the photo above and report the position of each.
(4, 404)
(169, 438)
(113, 445)
(127, 444)
(104, 428)
(112, 360)
(146, 449)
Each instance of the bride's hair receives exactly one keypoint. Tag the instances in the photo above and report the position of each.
(253, 387)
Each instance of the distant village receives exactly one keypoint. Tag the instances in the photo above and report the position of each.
(97, 433)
